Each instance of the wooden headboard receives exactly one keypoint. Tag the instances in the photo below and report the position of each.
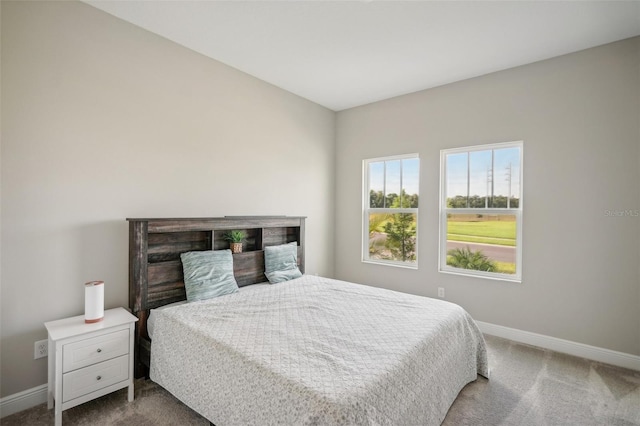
(155, 269)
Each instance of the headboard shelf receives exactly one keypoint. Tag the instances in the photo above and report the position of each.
(252, 242)
(155, 245)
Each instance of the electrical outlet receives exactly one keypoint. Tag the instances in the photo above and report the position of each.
(41, 349)
(441, 292)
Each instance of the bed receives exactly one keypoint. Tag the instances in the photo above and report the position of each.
(309, 350)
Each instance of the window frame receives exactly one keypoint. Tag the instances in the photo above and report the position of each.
(367, 209)
(444, 211)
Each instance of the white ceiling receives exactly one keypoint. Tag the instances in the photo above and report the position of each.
(342, 54)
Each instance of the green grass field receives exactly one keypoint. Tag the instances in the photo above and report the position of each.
(487, 232)
(505, 267)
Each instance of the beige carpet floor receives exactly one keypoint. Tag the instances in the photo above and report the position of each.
(528, 386)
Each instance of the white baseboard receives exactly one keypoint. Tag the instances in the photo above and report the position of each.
(22, 400)
(595, 353)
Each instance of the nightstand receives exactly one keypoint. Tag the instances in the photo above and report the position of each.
(89, 360)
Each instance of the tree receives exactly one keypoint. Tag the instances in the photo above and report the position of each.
(401, 236)
(376, 199)
(409, 201)
(477, 202)
(392, 200)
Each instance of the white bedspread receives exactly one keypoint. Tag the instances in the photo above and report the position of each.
(317, 351)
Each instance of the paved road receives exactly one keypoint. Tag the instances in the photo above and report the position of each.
(492, 251)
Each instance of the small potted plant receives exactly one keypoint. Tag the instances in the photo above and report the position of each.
(235, 239)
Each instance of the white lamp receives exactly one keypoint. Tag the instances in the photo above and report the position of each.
(93, 301)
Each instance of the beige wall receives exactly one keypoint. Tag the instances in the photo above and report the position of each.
(578, 116)
(102, 121)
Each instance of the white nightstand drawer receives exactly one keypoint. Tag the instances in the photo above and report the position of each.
(97, 349)
(89, 360)
(90, 379)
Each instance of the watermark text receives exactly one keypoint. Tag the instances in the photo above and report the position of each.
(622, 213)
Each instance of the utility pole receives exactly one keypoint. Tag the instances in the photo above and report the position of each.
(489, 179)
(468, 177)
(492, 159)
(509, 180)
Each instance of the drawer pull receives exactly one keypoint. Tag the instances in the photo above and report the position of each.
(99, 377)
(99, 350)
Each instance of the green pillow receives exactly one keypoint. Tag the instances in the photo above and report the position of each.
(281, 262)
(208, 274)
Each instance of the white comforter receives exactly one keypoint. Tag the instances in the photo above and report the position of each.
(317, 351)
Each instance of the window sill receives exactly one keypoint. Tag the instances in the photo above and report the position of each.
(496, 277)
(393, 264)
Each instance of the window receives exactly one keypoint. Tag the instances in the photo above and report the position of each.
(390, 213)
(481, 211)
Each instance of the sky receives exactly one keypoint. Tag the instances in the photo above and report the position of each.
(409, 177)
(506, 164)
